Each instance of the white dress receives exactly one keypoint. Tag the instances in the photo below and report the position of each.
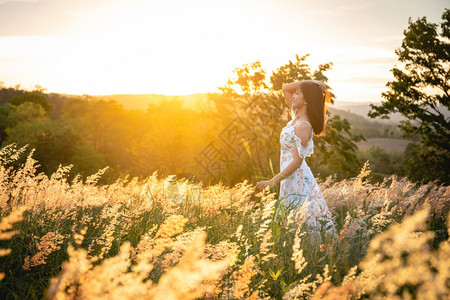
(301, 186)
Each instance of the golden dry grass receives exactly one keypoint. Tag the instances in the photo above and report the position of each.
(161, 238)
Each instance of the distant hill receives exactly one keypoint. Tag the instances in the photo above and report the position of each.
(363, 108)
(349, 110)
(141, 101)
(369, 128)
(387, 144)
(356, 113)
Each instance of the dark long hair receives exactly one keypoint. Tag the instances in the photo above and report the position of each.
(316, 107)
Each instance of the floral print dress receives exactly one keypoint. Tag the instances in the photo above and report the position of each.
(301, 186)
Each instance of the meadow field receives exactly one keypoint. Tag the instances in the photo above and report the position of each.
(168, 238)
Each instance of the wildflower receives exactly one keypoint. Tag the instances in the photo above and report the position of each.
(297, 256)
(49, 243)
(6, 224)
(401, 257)
(191, 278)
(265, 247)
(80, 237)
(324, 247)
(243, 278)
(329, 292)
(238, 232)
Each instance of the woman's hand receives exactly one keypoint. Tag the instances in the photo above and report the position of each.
(263, 184)
(321, 85)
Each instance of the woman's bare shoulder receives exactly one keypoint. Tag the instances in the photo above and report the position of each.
(304, 132)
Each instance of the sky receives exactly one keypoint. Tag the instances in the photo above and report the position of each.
(180, 47)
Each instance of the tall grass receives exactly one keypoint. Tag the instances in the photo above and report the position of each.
(163, 238)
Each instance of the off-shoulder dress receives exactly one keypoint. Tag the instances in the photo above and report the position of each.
(301, 186)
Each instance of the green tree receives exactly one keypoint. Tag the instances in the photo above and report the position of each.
(33, 98)
(420, 92)
(104, 126)
(336, 150)
(86, 161)
(5, 111)
(12, 115)
(53, 142)
(261, 112)
(27, 112)
(251, 114)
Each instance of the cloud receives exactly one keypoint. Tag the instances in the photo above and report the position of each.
(6, 1)
(367, 80)
(83, 15)
(9, 59)
(388, 38)
(30, 1)
(374, 61)
(342, 10)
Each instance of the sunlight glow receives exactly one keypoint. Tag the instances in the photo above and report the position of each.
(181, 47)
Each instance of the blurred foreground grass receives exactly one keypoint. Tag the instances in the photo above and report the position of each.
(163, 238)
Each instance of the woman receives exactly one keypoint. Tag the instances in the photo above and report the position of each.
(297, 183)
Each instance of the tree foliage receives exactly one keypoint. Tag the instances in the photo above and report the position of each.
(234, 138)
(420, 92)
(53, 142)
(33, 98)
(336, 151)
(261, 109)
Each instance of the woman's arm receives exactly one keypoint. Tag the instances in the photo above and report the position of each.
(289, 91)
(290, 168)
(290, 88)
(303, 132)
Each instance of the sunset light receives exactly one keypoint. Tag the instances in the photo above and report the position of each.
(185, 47)
(224, 149)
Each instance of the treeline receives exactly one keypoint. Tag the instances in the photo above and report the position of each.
(360, 124)
(91, 135)
(233, 137)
